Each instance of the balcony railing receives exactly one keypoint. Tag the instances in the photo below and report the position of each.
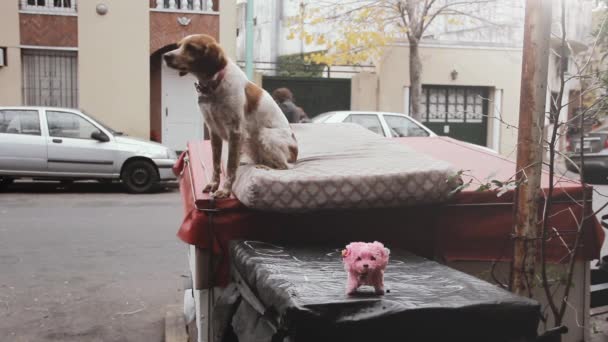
(49, 6)
(184, 5)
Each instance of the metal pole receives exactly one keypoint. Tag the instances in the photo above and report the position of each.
(535, 62)
(249, 41)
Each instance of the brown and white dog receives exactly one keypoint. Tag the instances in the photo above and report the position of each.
(235, 110)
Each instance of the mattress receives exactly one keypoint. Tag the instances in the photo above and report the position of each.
(345, 166)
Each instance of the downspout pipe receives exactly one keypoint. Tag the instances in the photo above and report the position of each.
(249, 41)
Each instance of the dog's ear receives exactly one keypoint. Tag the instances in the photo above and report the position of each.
(210, 60)
(211, 50)
(346, 252)
(381, 247)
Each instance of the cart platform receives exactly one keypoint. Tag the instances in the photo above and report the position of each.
(470, 226)
(299, 292)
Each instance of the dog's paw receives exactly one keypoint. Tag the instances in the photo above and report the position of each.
(211, 187)
(223, 193)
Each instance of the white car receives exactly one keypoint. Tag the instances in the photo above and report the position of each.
(66, 144)
(392, 125)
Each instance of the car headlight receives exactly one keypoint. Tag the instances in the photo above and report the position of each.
(171, 154)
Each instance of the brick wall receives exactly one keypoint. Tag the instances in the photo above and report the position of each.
(48, 30)
(165, 29)
(156, 132)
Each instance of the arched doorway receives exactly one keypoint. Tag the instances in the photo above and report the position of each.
(175, 117)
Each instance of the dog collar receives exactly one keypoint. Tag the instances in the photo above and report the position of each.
(211, 85)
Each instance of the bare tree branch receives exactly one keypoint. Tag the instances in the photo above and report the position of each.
(549, 197)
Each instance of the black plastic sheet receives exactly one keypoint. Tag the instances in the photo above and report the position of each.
(302, 292)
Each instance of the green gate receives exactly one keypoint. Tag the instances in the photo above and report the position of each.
(456, 111)
(315, 95)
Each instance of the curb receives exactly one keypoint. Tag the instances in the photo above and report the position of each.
(175, 325)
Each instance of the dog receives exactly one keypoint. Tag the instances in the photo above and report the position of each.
(235, 110)
(365, 263)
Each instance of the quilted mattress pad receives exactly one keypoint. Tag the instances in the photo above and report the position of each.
(344, 166)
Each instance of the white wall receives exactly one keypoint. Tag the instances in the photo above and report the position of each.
(364, 91)
(228, 22)
(114, 64)
(10, 76)
(271, 30)
(488, 67)
(265, 35)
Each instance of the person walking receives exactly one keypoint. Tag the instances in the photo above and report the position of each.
(293, 113)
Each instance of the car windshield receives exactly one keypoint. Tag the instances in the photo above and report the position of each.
(114, 132)
(402, 126)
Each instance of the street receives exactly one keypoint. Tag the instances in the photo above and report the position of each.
(88, 263)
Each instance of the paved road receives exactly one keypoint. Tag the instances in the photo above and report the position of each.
(88, 263)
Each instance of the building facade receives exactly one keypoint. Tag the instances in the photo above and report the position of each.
(472, 74)
(471, 65)
(105, 58)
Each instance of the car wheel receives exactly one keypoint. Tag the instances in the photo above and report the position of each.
(140, 176)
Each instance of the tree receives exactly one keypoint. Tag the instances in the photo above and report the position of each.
(358, 30)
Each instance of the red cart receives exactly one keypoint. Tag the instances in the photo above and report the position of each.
(468, 231)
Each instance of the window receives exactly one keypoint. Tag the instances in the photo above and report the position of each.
(68, 125)
(50, 78)
(20, 122)
(185, 5)
(435, 105)
(403, 127)
(49, 5)
(56, 3)
(453, 104)
(369, 121)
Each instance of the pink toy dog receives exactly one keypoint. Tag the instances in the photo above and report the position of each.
(365, 264)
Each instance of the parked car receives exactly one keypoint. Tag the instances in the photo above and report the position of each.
(393, 125)
(67, 144)
(595, 150)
